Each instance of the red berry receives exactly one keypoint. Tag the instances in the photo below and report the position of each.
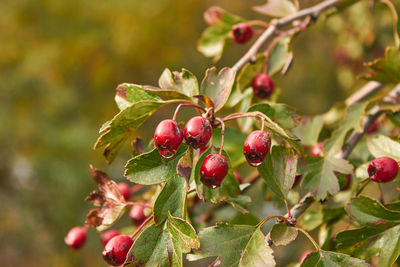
(116, 249)
(106, 236)
(317, 150)
(197, 132)
(263, 85)
(125, 190)
(305, 255)
(242, 33)
(213, 170)
(76, 237)
(238, 177)
(297, 180)
(382, 170)
(167, 138)
(373, 127)
(137, 214)
(256, 147)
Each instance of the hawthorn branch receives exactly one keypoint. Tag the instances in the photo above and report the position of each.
(314, 12)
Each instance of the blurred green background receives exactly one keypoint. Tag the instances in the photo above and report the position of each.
(60, 62)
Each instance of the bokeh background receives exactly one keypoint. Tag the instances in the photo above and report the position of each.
(60, 62)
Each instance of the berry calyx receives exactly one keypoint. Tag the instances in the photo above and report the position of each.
(136, 214)
(76, 237)
(242, 33)
(263, 85)
(383, 169)
(107, 235)
(116, 249)
(125, 190)
(256, 147)
(167, 138)
(213, 170)
(197, 132)
(317, 150)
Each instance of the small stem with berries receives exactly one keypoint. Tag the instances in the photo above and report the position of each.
(222, 134)
(187, 105)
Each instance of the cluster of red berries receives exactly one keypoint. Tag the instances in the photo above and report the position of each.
(198, 131)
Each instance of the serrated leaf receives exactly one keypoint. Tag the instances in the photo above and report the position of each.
(386, 69)
(282, 114)
(366, 210)
(352, 120)
(150, 168)
(171, 199)
(218, 86)
(279, 170)
(370, 241)
(382, 146)
(309, 129)
(246, 246)
(163, 245)
(283, 235)
(276, 8)
(184, 82)
(129, 93)
(320, 177)
(279, 55)
(124, 124)
(330, 259)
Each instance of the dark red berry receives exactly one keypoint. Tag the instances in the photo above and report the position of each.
(256, 147)
(213, 170)
(197, 132)
(263, 85)
(242, 33)
(317, 150)
(167, 138)
(76, 237)
(137, 214)
(238, 177)
(125, 190)
(116, 249)
(373, 127)
(107, 235)
(297, 180)
(344, 181)
(305, 255)
(383, 169)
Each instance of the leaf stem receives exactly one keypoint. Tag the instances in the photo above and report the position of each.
(141, 226)
(283, 218)
(366, 182)
(309, 238)
(186, 105)
(235, 116)
(222, 134)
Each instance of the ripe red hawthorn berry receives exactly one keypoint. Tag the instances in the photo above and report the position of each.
(125, 190)
(136, 214)
(197, 132)
(373, 127)
(76, 237)
(116, 249)
(317, 150)
(107, 235)
(242, 33)
(213, 170)
(256, 147)
(263, 85)
(167, 138)
(383, 169)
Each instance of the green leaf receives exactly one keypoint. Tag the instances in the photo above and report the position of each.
(279, 55)
(184, 82)
(119, 129)
(370, 241)
(283, 235)
(276, 8)
(311, 219)
(212, 40)
(234, 245)
(331, 259)
(282, 114)
(309, 129)
(386, 69)
(163, 245)
(150, 168)
(370, 211)
(218, 86)
(279, 170)
(320, 177)
(382, 146)
(247, 73)
(351, 121)
(128, 93)
(171, 199)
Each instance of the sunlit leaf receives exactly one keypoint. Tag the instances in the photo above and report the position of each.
(329, 259)
(276, 8)
(184, 82)
(382, 146)
(309, 129)
(282, 114)
(386, 69)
